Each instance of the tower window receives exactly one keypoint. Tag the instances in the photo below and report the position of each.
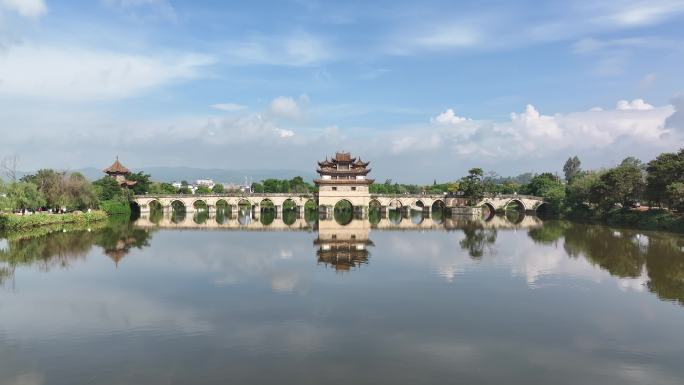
(353, 188)
(334, 188)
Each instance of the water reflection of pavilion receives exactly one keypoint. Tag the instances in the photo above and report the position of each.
(343, 247)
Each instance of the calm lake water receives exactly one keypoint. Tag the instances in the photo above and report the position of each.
(408, 301)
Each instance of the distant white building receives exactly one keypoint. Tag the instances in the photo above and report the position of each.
(205, 182)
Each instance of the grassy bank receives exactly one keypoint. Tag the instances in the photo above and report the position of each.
(646, 220)
(12, 222)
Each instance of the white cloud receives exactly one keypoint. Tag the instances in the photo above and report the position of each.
(228, 107)
(636, 104)
(434, 38)
(531, 132)
(536, 125)
(448, 117)
(85, 74)
(632, 13)
(300, 49)
(676, 120)
(287, 107)
(26, 8)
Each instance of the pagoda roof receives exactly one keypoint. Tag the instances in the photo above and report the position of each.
(351, 171)
(117, 168)
(340, 157)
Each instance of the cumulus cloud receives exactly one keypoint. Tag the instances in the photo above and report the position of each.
(448, 117)
(228, 107)
(636, 104)
(533, 132)
(26, 8)
(85, 74)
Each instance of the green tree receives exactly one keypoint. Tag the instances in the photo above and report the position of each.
(623, 185)
(578, 199)
(79, 193)
(257, 187)
(541, 183)
(24, 196)
(674, 194)
(143, 182)
(572, 168)
(664, 170)
(51, 184)
(162, 188)
(202, 190)
(217, 189)
(107, 188)
(472, 185)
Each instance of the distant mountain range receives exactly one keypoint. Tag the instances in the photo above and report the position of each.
(190, 174)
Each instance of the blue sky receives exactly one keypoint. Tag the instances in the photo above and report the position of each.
(422, 89)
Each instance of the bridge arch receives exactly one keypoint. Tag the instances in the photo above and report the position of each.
(343, 212)
(395, 204)
(488, 211)
(542, 209)
(517, 203)
(200, 204)
(418, 203)
(177, 205)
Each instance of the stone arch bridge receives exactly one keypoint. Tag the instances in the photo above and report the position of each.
(421, 202)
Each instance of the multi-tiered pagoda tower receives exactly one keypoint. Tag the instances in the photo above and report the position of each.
(343, 178)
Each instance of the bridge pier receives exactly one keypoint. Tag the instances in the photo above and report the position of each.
(278, 211)
(300, 211)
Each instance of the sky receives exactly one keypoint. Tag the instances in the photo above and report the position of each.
(424, 90)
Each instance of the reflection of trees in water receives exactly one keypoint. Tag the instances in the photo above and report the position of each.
(311, 215)
(624, 253)
(200, 217)
(374, 215)
(394, 215)
(438, 215)
(514, 215)
(607, 248)
(477, 240)
(267, 216)
(61, 246)
(343, 213)
(289, 217)
(416, 217)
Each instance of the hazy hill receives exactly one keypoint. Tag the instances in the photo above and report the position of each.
(169, 174)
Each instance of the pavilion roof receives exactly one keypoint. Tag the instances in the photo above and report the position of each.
(117, 168)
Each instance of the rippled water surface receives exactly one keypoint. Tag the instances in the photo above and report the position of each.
(394, 302)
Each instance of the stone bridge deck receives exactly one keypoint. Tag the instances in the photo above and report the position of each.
(425, 202)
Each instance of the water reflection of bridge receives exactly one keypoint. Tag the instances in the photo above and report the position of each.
(300, 223)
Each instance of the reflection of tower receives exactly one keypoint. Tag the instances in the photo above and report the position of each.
(120, 249)
(343, 247)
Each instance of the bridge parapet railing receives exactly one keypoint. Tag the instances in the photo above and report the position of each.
(513, 196)
(227, 195)
(407, 196)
